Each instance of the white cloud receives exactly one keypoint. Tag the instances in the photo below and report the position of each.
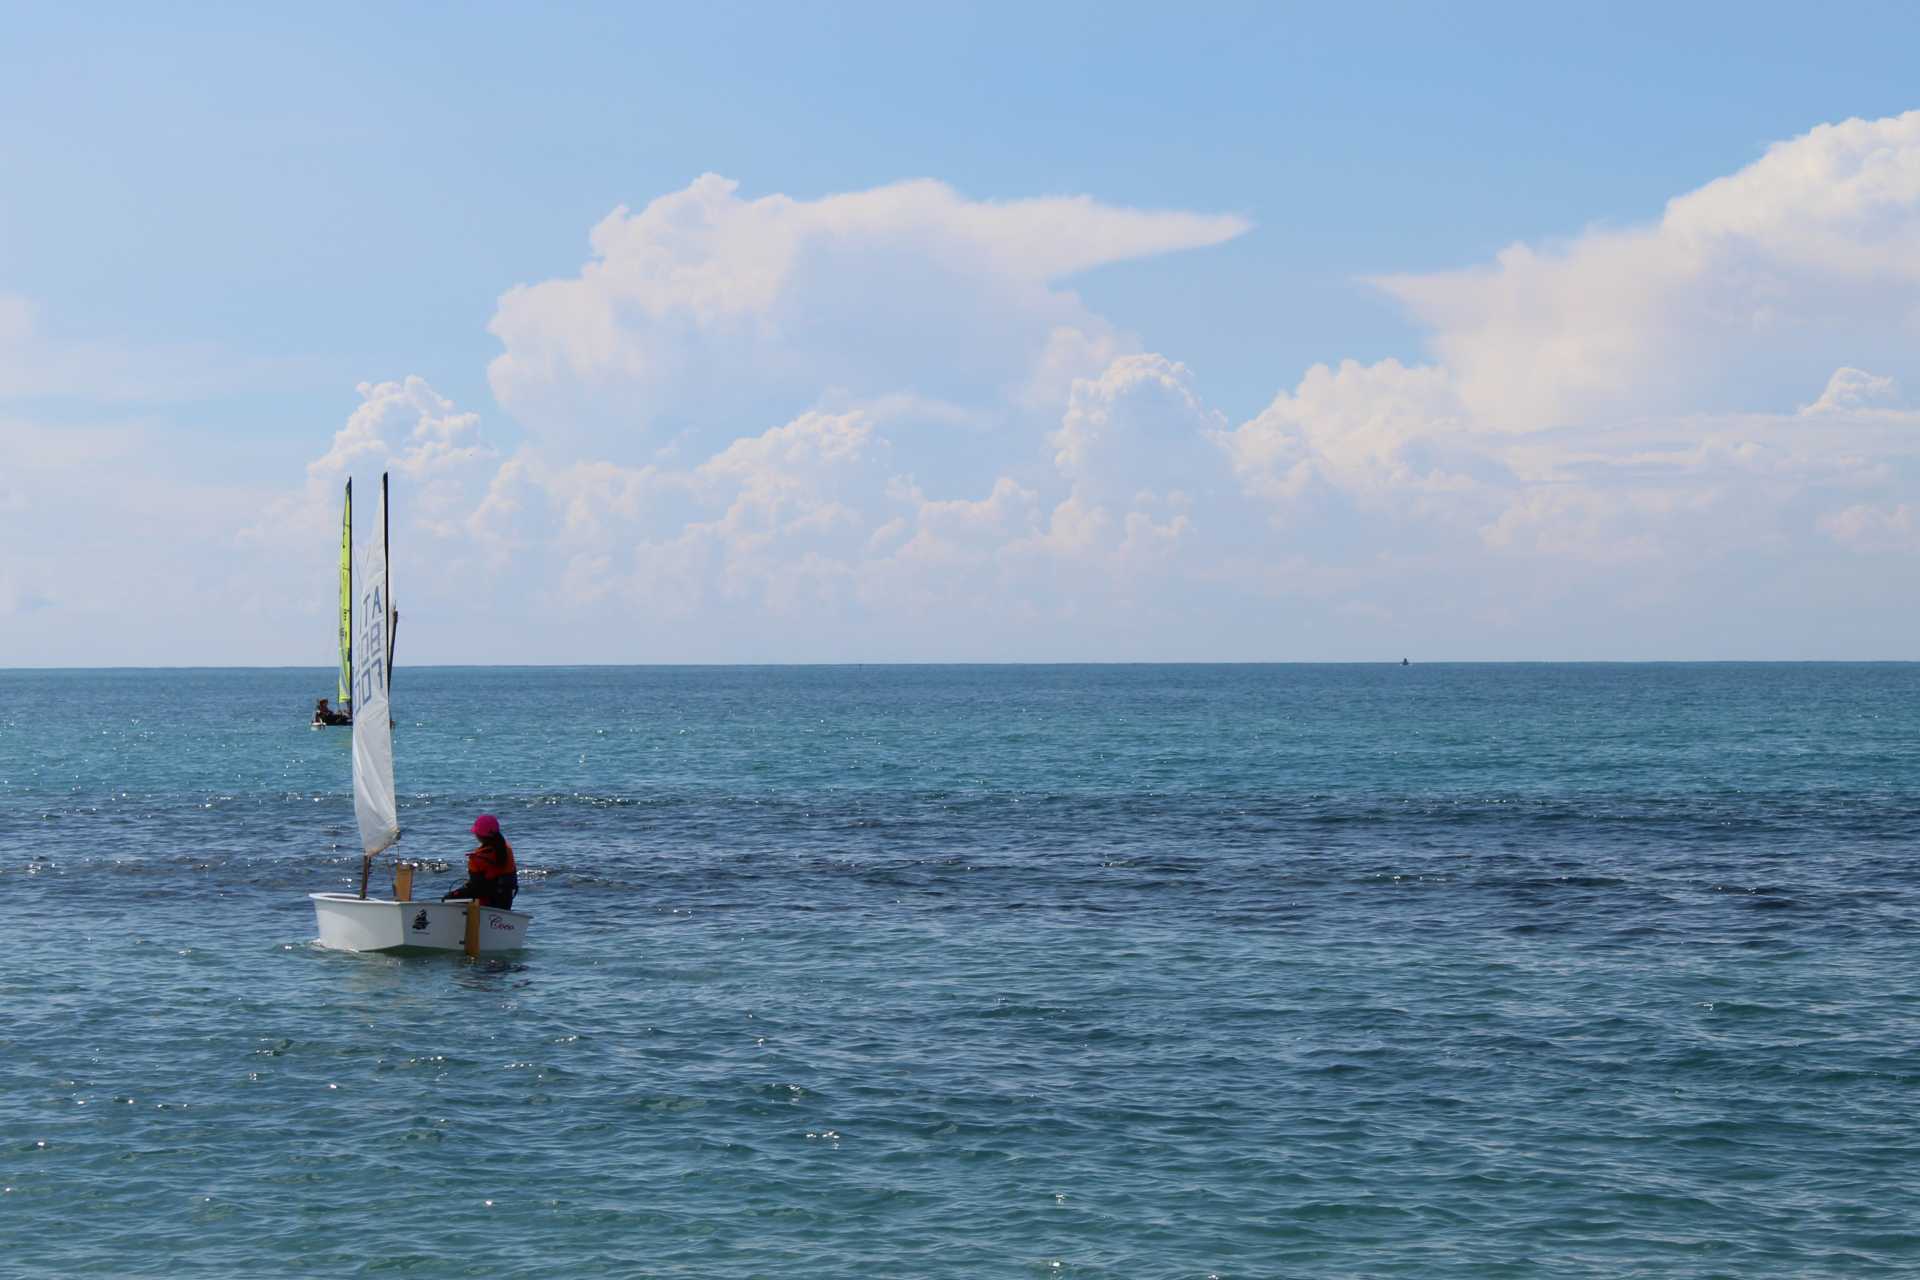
(1851, 390)
(1135, 447)
(1135, 428)
(709, 314)
(1368, 430)
(1627, 414)
(1578, 523)
(1876, 529)
(1744, 290)
(404, 426)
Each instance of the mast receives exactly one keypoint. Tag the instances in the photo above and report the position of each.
(386, 565)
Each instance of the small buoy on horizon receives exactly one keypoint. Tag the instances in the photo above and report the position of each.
(1405, 663)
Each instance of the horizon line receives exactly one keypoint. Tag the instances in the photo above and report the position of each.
(1006, 662)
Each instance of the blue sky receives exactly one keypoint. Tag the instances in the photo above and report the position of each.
(215, 227)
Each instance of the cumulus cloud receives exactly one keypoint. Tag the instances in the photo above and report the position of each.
(408, 429)
(411, 430)
(1851, 390)
(405, 425)
(1137, 428)
(819, 516)
(1744, 291)
(1367, 430)
(1627, 414)
(1875, 529)
(706, 314)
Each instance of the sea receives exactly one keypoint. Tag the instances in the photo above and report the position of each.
(976, 971)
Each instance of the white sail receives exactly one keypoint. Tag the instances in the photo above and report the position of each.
(373, 801)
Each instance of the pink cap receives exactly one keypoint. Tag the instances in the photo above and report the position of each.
(486, 825)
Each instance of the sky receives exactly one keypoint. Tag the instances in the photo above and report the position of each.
(881, 333)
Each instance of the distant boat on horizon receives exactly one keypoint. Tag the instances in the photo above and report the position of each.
(341, 713)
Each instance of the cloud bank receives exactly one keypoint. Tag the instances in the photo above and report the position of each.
(882, 425)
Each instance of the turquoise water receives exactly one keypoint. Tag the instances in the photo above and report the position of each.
(996, 971)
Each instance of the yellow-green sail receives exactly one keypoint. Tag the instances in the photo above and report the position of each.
(345, 699)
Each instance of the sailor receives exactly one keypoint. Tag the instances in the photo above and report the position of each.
(492, 877)
(324, 714)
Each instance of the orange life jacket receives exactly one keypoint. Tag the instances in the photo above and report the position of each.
(491, 863)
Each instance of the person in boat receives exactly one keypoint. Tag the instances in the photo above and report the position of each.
(324, 714)
(492, 878)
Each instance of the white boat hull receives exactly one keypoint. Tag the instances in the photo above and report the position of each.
(349, 923)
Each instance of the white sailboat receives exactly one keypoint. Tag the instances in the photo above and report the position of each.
(352, 922)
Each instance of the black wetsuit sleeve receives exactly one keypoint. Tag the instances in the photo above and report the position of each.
(492, 891)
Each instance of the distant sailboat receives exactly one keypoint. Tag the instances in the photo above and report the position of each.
(342, 710)
(352, 922)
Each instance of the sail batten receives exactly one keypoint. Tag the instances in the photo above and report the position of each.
(373, 791)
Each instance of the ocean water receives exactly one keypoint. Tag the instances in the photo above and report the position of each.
(977, 971)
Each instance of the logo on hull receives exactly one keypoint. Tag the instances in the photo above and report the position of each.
(420, 921)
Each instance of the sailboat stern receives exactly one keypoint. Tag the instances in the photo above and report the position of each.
(350, 923)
